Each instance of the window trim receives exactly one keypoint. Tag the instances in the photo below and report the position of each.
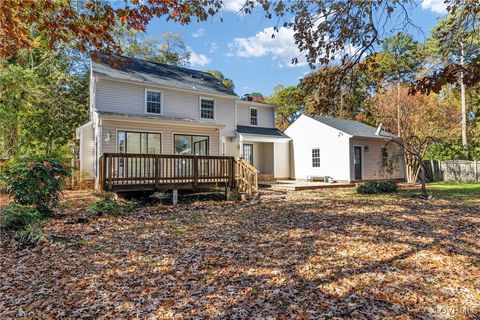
(161, 101)
(192, 135)
(137, 131)
(319, 157)
(386, 158)
(250, 116)
(200, 108)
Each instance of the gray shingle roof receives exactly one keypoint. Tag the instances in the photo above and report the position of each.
(353, 128)
(272, 132)
(160, 74)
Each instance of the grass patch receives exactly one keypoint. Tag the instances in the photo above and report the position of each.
(460, 191)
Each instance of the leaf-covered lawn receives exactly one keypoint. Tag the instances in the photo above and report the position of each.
(319, 254)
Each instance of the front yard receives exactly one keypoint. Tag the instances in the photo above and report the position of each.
(316, 254)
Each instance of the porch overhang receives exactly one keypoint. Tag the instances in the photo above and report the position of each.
(261, 138)
(260, 134)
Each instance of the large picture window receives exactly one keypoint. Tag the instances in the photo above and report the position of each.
(316, 157)
(139, 142)
(153, 101)
(191, 144)
(207, 108)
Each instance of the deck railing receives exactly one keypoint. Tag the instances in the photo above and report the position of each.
(156, 171)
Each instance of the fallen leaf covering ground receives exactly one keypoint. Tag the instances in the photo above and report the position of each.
(327, 254)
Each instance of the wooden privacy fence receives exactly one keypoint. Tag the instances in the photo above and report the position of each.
(453, 170)
(137, 172)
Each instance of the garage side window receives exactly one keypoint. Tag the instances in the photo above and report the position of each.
(316, 157)
(384, 157)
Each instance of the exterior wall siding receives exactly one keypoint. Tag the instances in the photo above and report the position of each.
(266, 115)
(268, 156)
(372, 168)
(109, 95)
(306, 134)
(126, 98)
(87, 152)
(282, 160)
(167, 131)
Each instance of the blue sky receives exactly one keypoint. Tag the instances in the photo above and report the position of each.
(241, 46)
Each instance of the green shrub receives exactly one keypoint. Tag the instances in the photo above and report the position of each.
(110, 207)
(36, 183)
(374, 187)
(31, 234)
(17, 217)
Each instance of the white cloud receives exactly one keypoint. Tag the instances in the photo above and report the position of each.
(437, 6)
(233, 5)
(198, 59)
(281, 48)
(199, 33)
(213, 46)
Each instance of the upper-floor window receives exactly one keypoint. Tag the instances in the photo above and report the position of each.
(153, 101)
(316, 157)
(253, 117)
(207, 108)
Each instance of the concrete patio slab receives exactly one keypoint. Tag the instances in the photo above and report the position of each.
(292, 185)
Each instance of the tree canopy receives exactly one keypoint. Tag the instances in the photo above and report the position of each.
(324, 30)
(226, 81)
(43, 98)
(169, 48)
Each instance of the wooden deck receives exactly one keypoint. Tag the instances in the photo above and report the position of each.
(122, 172)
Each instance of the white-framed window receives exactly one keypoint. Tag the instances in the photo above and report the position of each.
(384, 156)
(153, 101)
(139, 142)
(207, 108)
(253, 116)
(316, 157)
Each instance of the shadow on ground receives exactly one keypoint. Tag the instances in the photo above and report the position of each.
(319, 254)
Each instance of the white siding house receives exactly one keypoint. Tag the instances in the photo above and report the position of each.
(144, 107)
(344, 150)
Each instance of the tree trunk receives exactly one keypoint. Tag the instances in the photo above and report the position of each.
(423, 182)
(411, 168)
(398, 109)
(464, 106)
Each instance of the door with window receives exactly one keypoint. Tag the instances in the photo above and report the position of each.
(248, 152)
(137, 142)
(357, 162)
(191, 145)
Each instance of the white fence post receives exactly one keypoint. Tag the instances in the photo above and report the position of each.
(475, 170)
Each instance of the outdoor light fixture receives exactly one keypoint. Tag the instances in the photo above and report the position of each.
(108, 135)
(366, 148)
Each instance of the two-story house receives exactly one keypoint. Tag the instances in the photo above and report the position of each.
(149, 108)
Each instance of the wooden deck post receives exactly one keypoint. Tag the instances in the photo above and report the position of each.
(195, 171)
(110, 172)
(156, 162)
